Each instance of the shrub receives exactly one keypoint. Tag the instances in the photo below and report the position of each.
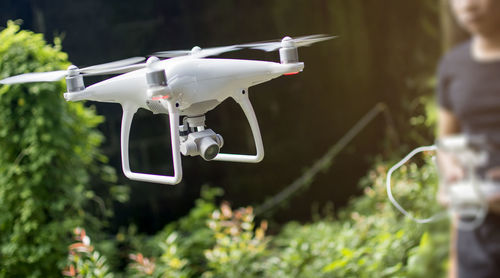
(46, 149)
(239, 247)
(84, 261)
(168, 265)
(193, 236)
(370, 238)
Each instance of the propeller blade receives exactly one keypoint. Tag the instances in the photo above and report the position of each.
(117, 70)
(197, 52)
(49, 76)
(214, 51)
(268, 46)
(298, 41)
(308, 40)
(113, 65)
(172, 53)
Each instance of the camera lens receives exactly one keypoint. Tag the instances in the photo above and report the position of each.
(208, 148)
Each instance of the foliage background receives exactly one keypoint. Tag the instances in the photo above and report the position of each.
(48, 150)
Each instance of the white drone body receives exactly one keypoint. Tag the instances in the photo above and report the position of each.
(185, 85)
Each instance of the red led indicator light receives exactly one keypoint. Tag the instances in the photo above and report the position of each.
(160, 97)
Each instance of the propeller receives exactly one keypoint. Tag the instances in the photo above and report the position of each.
(115, 67)
(197, 52)
(288, 42)
(114, 64)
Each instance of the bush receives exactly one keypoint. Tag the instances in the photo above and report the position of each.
(192, 234)
(84, 261)
(369, 238)
(239, 247)
(209, 242)
(47, 147)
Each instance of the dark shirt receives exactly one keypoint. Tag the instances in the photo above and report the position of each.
(471, 91)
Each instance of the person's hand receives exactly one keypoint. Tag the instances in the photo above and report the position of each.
(450, 169)
(443, 197)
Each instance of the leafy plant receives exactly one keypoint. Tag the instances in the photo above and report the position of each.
(47, 147)
(370, 238)
(239, 246)
(168, 265)
(193, 236)
(84, 260)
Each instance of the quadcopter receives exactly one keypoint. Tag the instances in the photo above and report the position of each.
(185, 84)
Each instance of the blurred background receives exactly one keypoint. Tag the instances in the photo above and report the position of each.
(379, 56)
(385, 54)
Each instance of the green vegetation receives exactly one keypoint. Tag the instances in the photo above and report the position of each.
(371, 238)
(368, 239)
(83, 257)
(47, 148)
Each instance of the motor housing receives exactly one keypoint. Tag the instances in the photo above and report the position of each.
(288, 51)
(74, 80)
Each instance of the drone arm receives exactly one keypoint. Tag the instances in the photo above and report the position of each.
(241, 97)
(128, 115)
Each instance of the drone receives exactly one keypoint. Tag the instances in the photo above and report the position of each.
(184, 84)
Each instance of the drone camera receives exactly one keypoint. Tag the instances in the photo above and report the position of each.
(196, 140)
(74, 80)
(209, 148)
(205, 143)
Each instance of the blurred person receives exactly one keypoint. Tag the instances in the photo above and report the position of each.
(468, 95)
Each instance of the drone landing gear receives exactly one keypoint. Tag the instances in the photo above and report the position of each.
(128, 115)
(196, 140)
(241, 97)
